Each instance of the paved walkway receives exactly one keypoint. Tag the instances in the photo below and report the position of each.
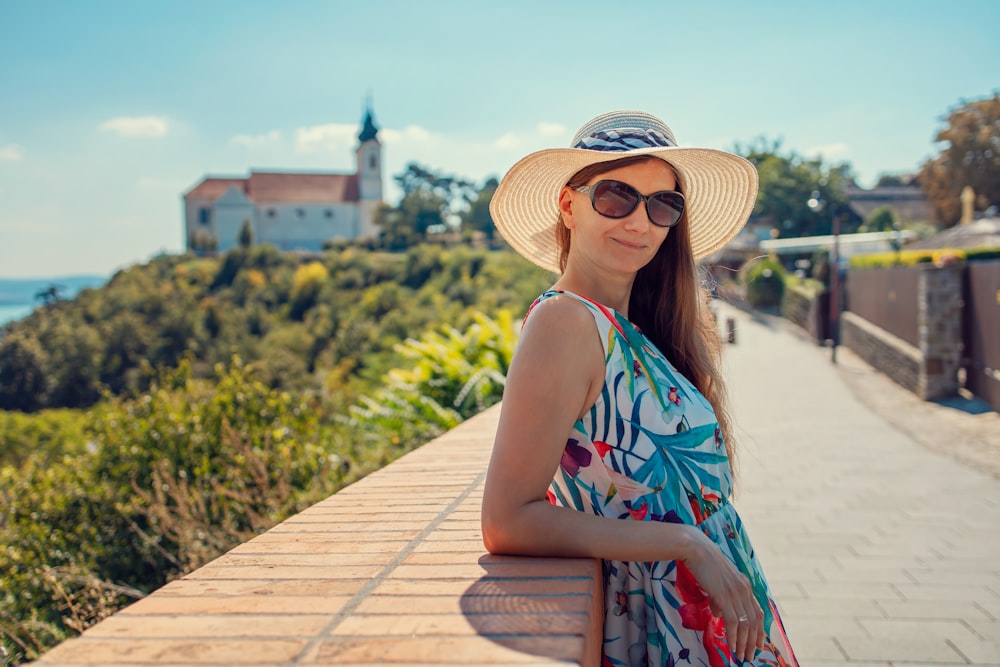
(882, 549)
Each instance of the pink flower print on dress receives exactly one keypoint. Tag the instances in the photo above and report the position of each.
(673, 396)
(630, 489)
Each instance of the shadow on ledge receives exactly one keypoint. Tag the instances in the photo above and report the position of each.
(548, 607)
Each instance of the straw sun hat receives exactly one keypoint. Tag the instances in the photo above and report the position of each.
(719, 188)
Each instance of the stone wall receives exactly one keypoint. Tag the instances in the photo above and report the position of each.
(805, 310)
(929, 370)
(882, 350)
(940, 328)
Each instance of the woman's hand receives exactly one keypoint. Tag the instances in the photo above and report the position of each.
(730, 596)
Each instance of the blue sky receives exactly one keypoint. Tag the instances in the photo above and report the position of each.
(110, 110)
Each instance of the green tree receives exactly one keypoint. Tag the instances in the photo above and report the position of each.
(789, 182)
(49, 294)
(478, 217)
(430, 200)
(892, 181)
(396, 231)
(74, 365)
(881, 219)
(23, 382)
(246, 234)
(203, 241)
(970, 156)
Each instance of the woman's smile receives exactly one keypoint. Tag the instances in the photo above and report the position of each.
(633, 245)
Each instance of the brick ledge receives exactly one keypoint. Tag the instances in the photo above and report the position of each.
(390, 569)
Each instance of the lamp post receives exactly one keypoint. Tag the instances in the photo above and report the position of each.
(816, 204)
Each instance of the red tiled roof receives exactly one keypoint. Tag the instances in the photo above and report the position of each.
(263, 187)
(213, 188)
(280, 187)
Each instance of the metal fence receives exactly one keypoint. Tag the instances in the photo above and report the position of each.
(981, 330)
(886, 297)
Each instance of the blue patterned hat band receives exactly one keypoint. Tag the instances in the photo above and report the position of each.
(625, 139)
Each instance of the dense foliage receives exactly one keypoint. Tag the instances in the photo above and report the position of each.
(325, 324)
(787, 184)
(217, 396)
(970, 156)
(765, 282)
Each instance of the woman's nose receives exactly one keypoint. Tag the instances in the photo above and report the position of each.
(638, 219)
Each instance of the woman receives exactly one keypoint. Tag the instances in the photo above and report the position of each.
(614, 440)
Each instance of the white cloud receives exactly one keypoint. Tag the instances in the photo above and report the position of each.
(329, 137)
(11, 153)
(408, 133)
(251, 140)
(551, 129)
(829, 151)
(507, 141)
(136, 126)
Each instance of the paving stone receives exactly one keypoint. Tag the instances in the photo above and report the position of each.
(978, 651)
(932, 649)
(933, 609)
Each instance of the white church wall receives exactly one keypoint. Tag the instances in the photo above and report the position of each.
(229, 220)
(306, 226)
(197, 217)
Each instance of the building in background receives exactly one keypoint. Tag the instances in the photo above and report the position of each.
(291, 210)
(904, 196)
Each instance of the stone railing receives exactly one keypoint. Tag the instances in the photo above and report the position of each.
(389, 570)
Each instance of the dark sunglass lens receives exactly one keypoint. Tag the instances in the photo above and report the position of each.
(615, 199)
(665, 208)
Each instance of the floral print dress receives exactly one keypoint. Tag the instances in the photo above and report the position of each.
(650, 449)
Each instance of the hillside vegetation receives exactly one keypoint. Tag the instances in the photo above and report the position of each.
(191, 403)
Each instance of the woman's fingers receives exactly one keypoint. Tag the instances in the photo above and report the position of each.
(732, 599)
(750, 632)
(737, 626)
(761, 635)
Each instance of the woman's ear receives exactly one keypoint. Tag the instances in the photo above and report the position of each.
(566, 207)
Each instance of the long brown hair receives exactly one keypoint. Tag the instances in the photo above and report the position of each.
(670, 306)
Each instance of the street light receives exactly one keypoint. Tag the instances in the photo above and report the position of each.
(816, 204)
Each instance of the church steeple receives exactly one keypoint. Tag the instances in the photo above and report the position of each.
(368, 131)
(369, 157)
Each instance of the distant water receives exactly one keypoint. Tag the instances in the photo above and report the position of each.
(17, 295)
(9, 313)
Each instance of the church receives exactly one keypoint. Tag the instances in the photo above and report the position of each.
(291, 210)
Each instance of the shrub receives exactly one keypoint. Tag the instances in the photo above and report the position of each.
(765, 283)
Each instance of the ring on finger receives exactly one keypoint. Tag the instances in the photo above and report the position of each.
(742, 619)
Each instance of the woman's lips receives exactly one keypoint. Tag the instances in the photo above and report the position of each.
(629, 244)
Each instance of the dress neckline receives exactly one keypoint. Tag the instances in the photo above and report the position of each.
(594, 302)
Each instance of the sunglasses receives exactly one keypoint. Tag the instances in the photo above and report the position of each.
(614, 199)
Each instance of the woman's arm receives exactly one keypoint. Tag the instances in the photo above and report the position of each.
(554, 378)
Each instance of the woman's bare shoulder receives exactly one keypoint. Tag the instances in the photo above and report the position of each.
(560, 335)
(559, 315)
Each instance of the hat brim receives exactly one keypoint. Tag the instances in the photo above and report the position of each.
(720, 190)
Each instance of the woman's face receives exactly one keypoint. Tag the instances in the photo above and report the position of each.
(622, 245)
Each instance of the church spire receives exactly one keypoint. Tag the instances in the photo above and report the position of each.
(368, 131)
